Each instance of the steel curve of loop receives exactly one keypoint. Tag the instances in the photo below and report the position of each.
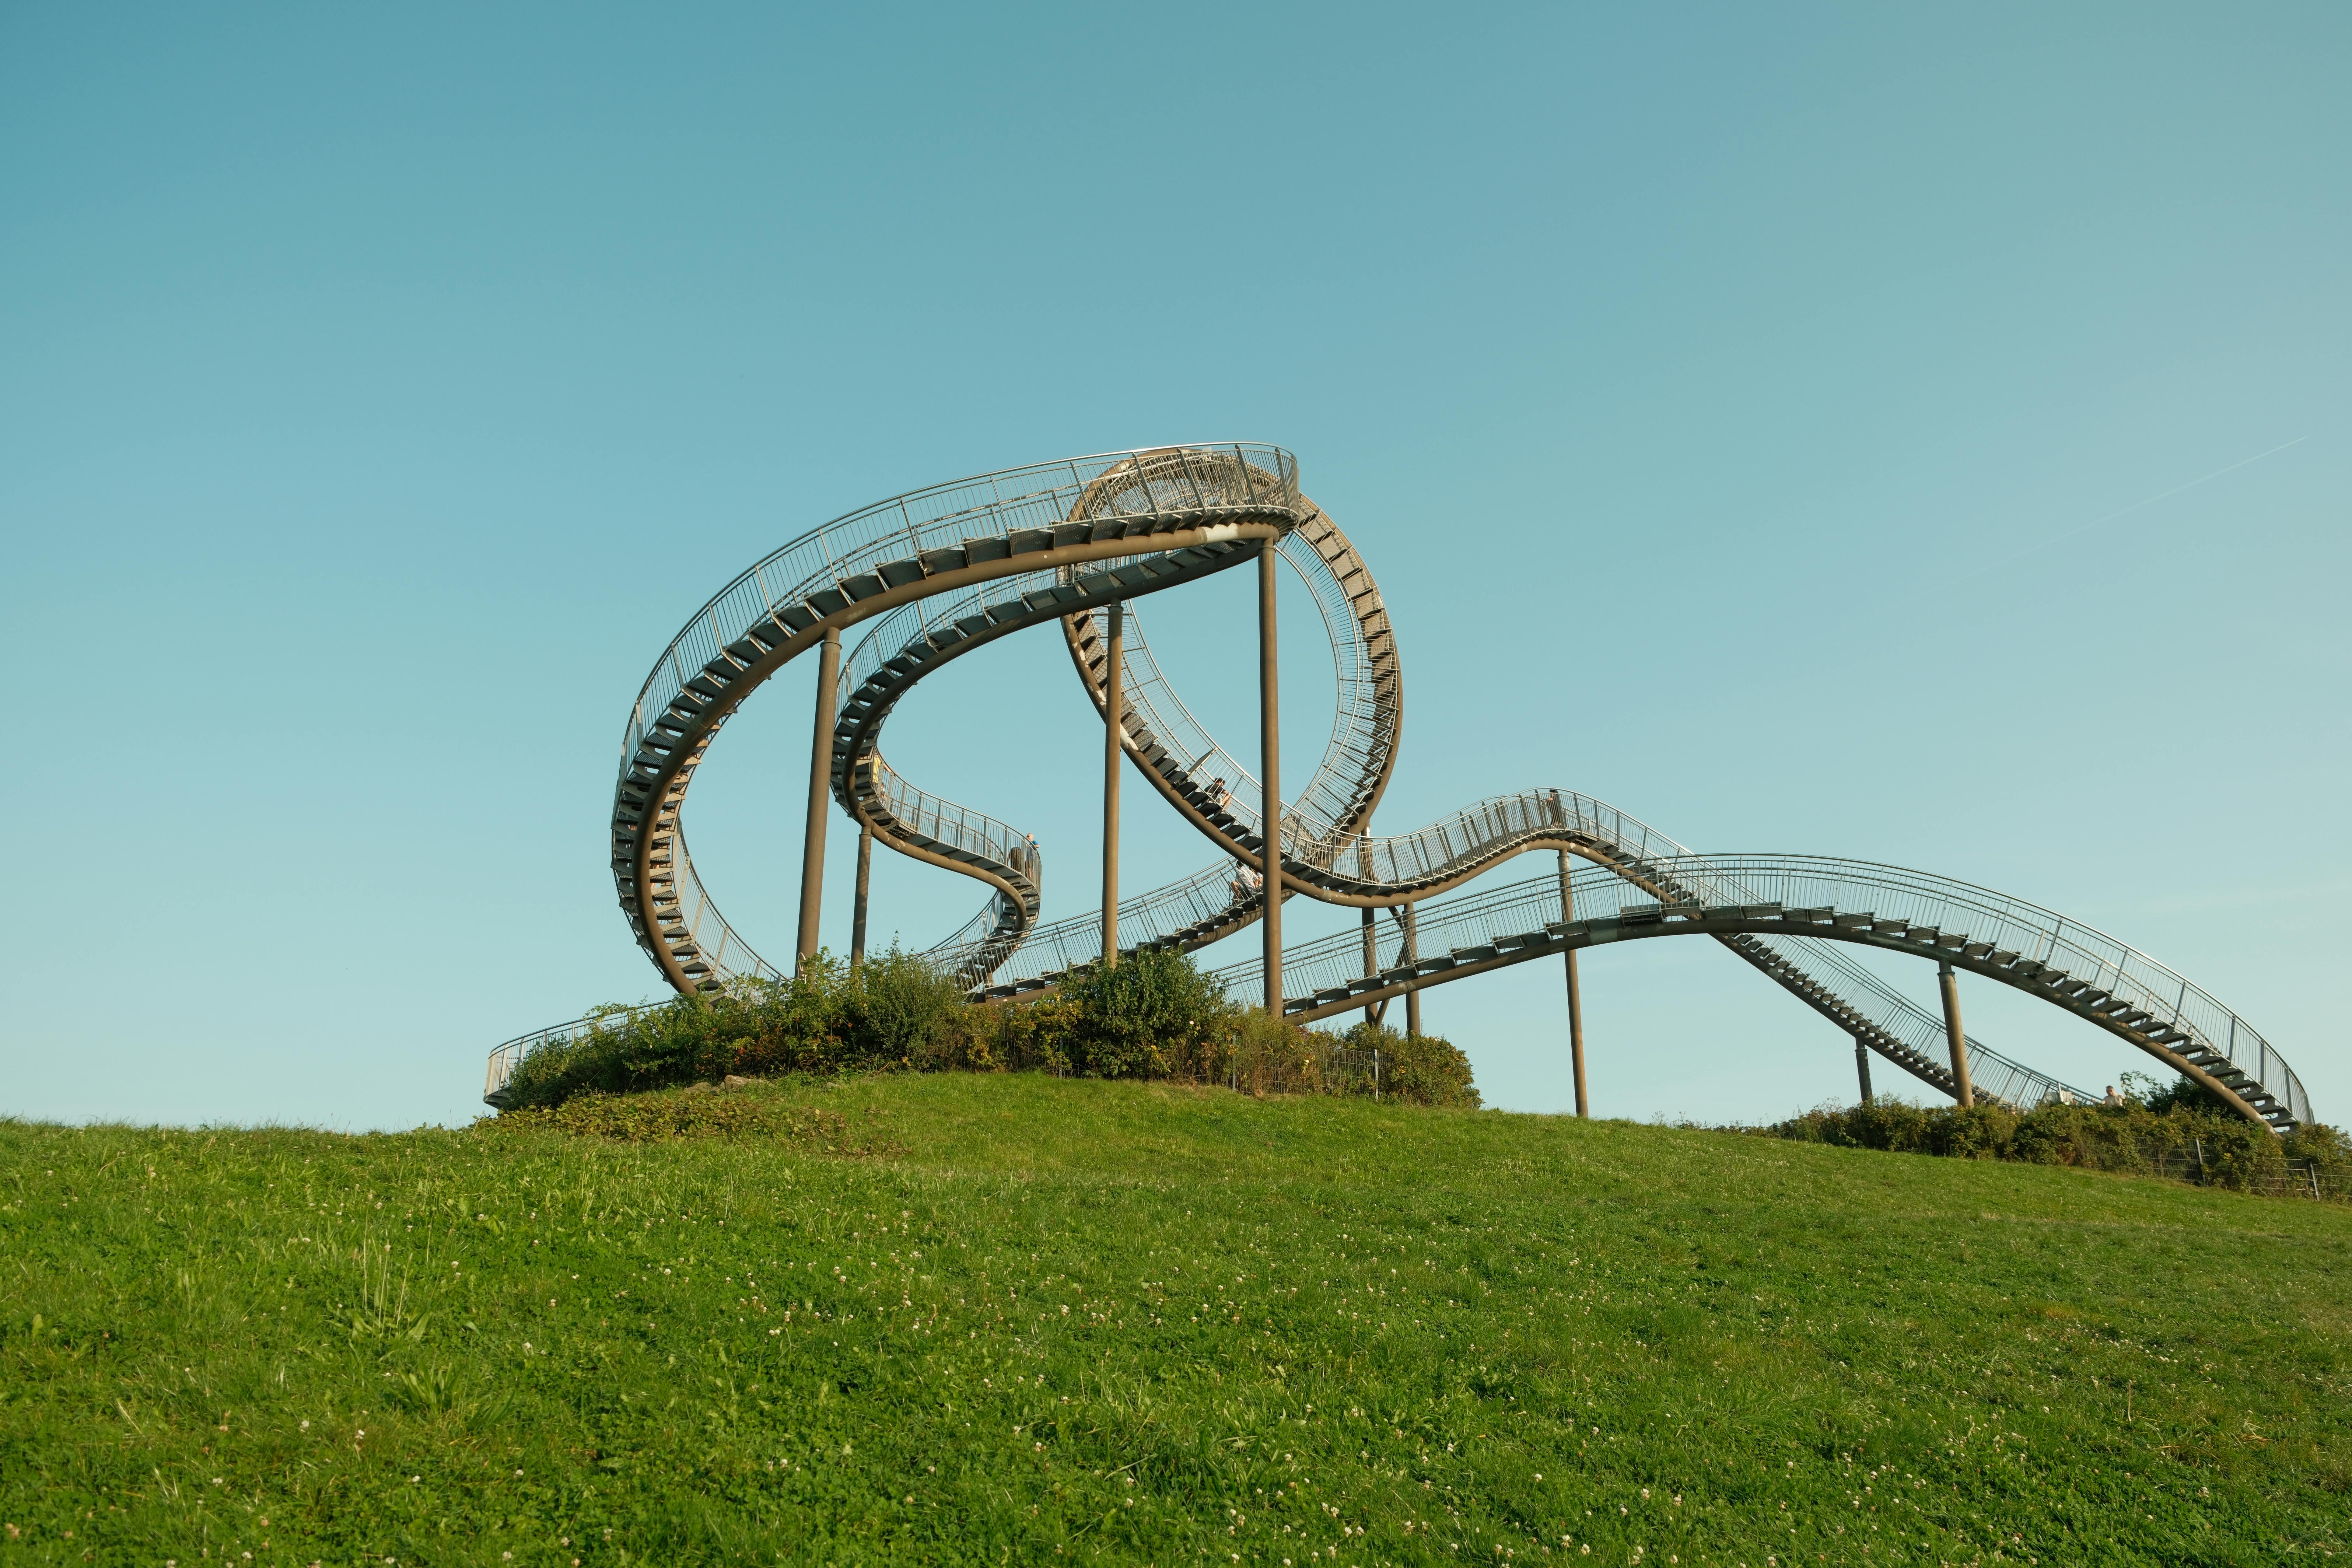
(936, 574)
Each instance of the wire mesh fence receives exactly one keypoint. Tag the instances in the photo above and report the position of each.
(2281, 1179)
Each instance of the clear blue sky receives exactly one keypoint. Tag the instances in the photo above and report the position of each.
(1748, 413)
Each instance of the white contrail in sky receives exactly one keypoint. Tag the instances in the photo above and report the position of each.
(2123, 511)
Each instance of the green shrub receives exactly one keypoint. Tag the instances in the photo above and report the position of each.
(1016, 1036)
(1152, 1015)
(2183, 1093)
(1420, 1069)
(2172, 1128)
(751, 1026)
(895, 1010)
(1272, 1056)
(1430, 1070)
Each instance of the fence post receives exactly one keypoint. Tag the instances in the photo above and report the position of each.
(1376, 1075)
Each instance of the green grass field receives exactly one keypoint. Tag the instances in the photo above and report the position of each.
(1012, 1319)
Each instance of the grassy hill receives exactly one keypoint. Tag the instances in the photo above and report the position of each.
(952, 1318)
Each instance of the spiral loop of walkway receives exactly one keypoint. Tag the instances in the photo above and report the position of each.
(941, 573)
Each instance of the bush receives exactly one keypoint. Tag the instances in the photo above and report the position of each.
(1420, 1069)
(2185, 1128)
(1152, 1015)
(1272, 1056)
(750, 1027)
(1155, 1014)
(2183, 1093)
(897, 1010)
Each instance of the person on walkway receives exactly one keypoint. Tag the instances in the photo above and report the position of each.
(2113, 1098)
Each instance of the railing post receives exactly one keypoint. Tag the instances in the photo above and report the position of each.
(1862, 1067)
(1948, 984)
(1269, 741)
(858, 911)
(1114, 652)
(1575, 998)
(828, 675)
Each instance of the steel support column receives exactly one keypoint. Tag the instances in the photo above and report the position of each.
(1575, 999)
(1949, 984)
(1862, 1067)
(1114, 656)
(1269, 741)
(828, 676)
(1411, 957)
(1372, 916)
(858, 911)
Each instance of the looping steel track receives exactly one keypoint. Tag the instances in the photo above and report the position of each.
(938, 573)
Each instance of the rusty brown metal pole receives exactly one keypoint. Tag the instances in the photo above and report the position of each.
(1371, 915)
(828, 678)
(1949, 984)
(858, 911)
(1575, 998)
(1115, 651)
(1413, 958)
(1269, 743)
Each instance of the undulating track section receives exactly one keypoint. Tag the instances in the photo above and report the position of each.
(941, 573)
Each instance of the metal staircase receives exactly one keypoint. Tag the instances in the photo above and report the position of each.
(937, 573)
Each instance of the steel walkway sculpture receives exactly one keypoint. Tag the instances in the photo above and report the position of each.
(937, 573)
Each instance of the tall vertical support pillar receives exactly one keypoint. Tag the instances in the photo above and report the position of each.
(1114, 658)
(1949, 984)
(1269, 742)
(1862, 1067)
(858, 911)
(828, 676)
(1575, 998)
(1372, 916)
(1413, 957)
